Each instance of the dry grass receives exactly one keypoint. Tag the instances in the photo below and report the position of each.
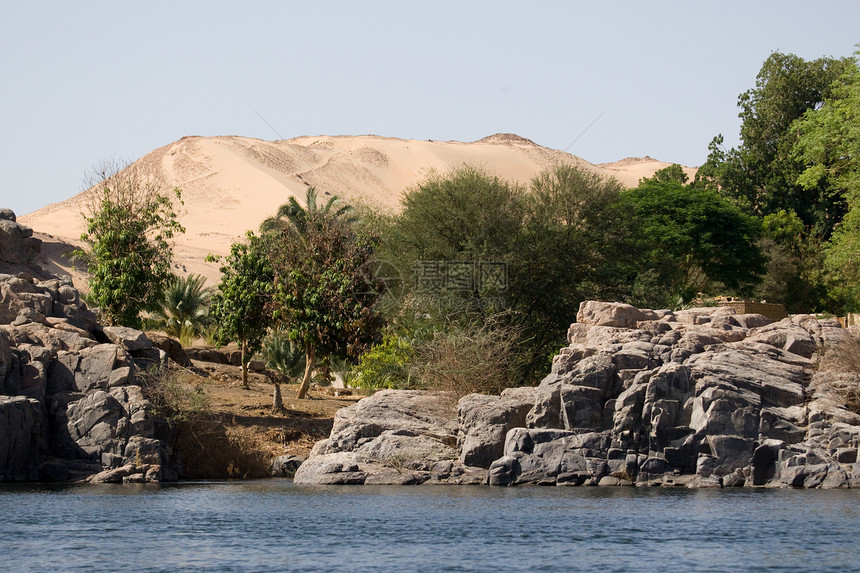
(234, 433)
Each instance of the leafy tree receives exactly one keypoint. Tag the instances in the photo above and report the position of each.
(184, 312)
(322, 296)
(697, 235)
(672, 173)
(829, 146)
(131, 221)
(575, 246)
(555, 247)
(762, 173)
(242, 306)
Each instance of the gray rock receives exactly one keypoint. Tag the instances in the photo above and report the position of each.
(484, 422)
(613, 314)
(95, 367)
(17, 244)
(730, 453)
(286, 466)
(21, 441)
(128, 338)
(171, 347)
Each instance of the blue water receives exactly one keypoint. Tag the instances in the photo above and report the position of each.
(274, 525)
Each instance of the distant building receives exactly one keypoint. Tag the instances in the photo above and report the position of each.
(773, 311)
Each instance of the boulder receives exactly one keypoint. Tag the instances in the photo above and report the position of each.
(614, 314)
(286, 466)
(17, 244)
(128, 338)
(484, 421)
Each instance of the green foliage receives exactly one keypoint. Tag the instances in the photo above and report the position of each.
(762, 173)
(385, 365)
(294, 215)
(131, 222)
(281, 354)
(323, 298)
(184, 312)
(829, 146)
(558, 244)
(673, 173)
(693, 237)
(242, 306)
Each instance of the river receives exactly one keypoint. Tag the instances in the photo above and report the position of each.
(274, 525)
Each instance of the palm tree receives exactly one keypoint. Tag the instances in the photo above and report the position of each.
(296, 216)
(184, 312)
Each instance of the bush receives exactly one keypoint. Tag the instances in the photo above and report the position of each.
(386, 365)
(477, 357)
(281, 354)
(172, 398)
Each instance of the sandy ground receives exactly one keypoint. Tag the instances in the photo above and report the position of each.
(230, 184)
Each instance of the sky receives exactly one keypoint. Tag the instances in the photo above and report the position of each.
(85, 82)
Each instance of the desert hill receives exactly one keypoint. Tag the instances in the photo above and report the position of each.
(230, 184)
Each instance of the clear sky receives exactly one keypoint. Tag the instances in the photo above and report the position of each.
(85, 81)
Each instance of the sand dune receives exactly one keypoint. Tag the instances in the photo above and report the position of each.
(230, 184)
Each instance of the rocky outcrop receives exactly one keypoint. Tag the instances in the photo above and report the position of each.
(703, 397)
(70, 405)
(17, 244)
(394, 437)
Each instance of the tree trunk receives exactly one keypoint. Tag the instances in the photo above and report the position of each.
(244, 367)
(277, 402)
(310, 354)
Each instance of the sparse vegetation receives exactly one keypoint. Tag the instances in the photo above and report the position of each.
(172, 398)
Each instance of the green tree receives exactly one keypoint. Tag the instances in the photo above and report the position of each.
(762, 173)
(575, 246)
(241, 308)
(555, 246)
(829, 146)
(184, 312)
(293, 214)
(697, 236)
(323, 298)
(130, 224)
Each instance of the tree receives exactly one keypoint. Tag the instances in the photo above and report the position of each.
(695, 235)
(575, 246)
(322, 297)
(762, 173)
(553, 247)
(828, 143)
(131, 221)
(242, 306)
(184, 312)
(297, 216)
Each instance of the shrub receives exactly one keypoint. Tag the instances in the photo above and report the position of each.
(171, 397)
(464, 359)
(386, 365)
